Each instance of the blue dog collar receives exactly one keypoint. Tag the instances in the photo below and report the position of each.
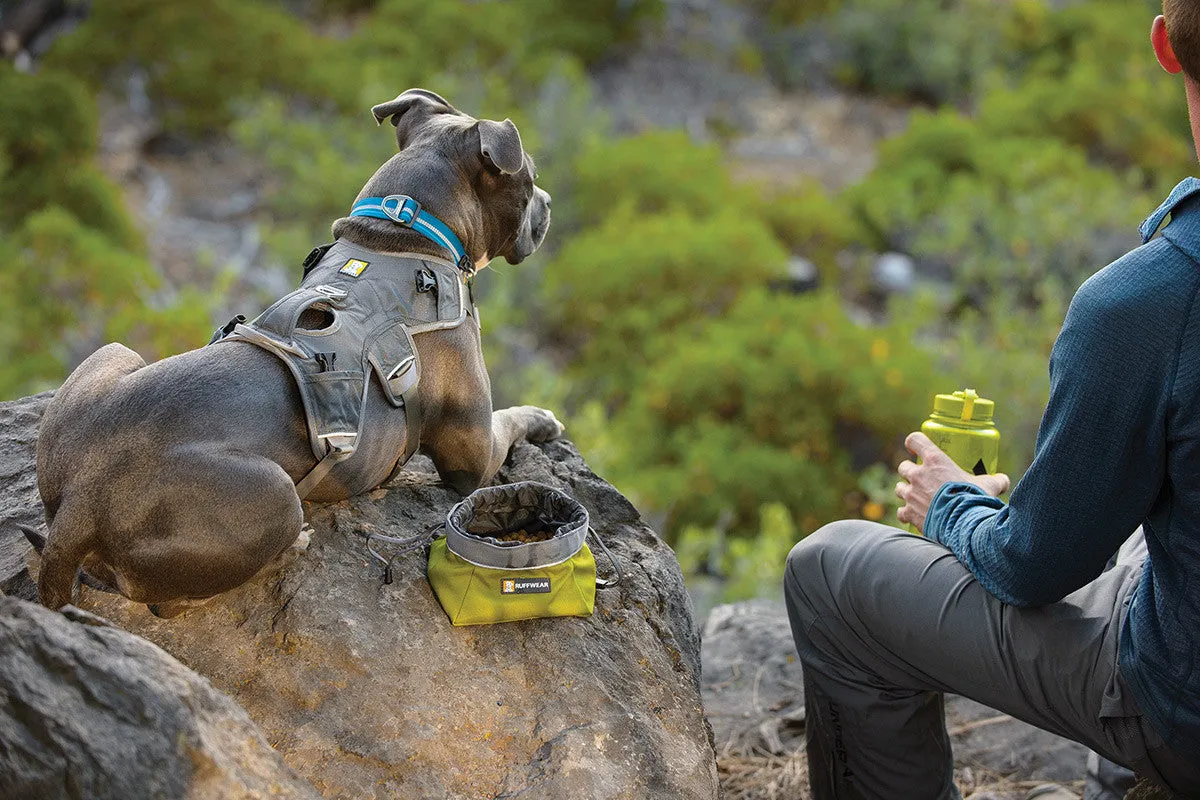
(403, 210)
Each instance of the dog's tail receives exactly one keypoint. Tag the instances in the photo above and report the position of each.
(35, 538)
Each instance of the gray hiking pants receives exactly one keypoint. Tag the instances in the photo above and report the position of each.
(885, 621)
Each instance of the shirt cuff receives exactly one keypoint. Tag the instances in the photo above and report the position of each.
(946, 512)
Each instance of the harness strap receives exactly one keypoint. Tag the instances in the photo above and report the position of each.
(317, 474)
(412, 417)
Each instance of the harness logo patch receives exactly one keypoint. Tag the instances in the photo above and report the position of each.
(354, 267)
(525, 586)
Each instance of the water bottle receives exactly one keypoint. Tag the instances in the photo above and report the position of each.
(961, 425)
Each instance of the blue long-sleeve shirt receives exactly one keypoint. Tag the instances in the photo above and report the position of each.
(1118, 447)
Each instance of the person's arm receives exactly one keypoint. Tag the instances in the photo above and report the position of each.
(1100, 457)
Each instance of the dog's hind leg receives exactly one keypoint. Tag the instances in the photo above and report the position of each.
(70, 540)
(90, 563)
(207, 520)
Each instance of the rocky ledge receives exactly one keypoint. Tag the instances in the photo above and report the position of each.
(364, 689)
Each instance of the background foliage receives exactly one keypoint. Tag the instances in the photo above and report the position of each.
(658, 320)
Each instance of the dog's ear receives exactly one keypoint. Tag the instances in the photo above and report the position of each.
(500, 145)
(409, 110)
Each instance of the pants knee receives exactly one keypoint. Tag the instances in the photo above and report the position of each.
(820, 566)
(807, 562)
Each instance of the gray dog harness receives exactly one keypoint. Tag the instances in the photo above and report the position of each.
(355, 315)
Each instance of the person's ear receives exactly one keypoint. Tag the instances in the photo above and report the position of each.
(1162, 46)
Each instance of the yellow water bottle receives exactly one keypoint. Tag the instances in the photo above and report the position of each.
(961, 425)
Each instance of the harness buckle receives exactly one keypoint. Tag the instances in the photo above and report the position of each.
(426, 281)
(404, 212)
(341, 444)
(315, 257)
(227, 328)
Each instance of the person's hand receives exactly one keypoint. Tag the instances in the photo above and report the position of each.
(922, 481)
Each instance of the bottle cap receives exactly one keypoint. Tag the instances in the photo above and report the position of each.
(964, 405)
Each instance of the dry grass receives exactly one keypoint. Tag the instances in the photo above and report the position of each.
(765, 777)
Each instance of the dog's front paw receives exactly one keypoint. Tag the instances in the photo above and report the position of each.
(542, 425)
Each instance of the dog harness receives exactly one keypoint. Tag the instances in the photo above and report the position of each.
(354, 316)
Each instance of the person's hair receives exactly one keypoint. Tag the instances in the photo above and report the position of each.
(1183, 29)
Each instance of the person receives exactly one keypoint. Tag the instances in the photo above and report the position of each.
(1010, 603)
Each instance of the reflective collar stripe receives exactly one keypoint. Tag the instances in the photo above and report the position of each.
(403, 210)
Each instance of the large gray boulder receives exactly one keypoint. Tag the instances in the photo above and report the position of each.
(19, 502)
(367, 691)
(90, 711)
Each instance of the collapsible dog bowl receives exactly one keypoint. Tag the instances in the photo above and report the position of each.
(482, 573)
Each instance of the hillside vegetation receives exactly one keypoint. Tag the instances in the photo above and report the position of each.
(739, 414)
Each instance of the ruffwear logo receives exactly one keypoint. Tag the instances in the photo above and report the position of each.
(354, 267)
(525, 586)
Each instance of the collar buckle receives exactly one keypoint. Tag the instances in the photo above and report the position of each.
(401, 209)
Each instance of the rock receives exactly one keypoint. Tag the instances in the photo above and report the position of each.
(90, 711)
(801, 276)
(895, 273)
(753, 694)
(786, 136)
(366, 690)
(18, 488)
(689, 71)
(752, 684)
(984, 737)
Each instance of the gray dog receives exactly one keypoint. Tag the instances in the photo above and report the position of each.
(175, 481)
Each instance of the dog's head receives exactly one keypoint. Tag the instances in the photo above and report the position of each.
(493, 197)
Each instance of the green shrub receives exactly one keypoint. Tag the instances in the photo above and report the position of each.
(48, 135)
(619, 293)
(75, 273)
(1085, 73)
(790, 13)
(999, 214)
(812, 223)
(71, 289)
(653, 172)
(783, 399)
(751, 566)
(203, 58)
(586, 30)
(933, 52)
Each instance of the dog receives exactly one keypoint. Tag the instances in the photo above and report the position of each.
(175, 481)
